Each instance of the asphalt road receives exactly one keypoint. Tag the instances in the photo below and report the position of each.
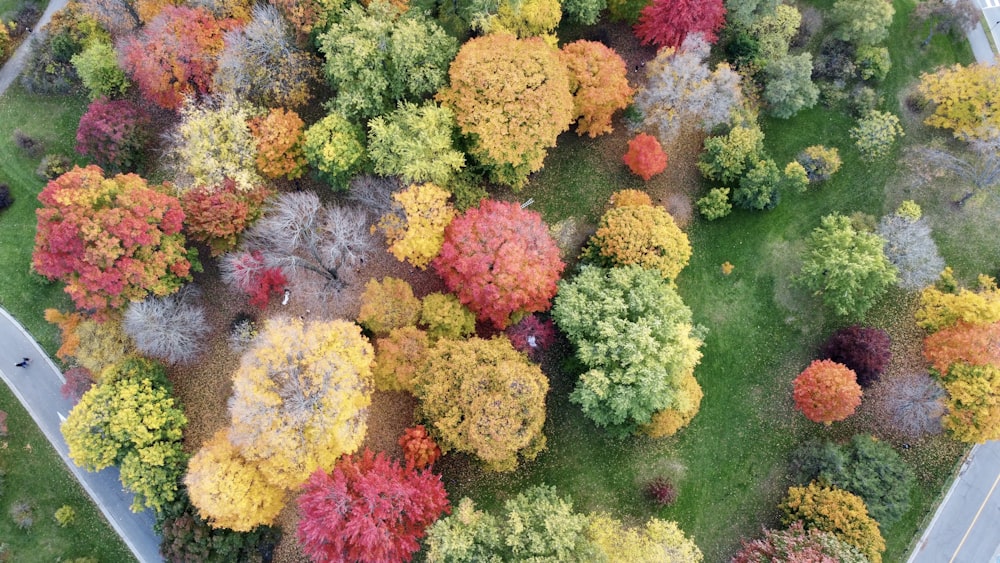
(37, 387)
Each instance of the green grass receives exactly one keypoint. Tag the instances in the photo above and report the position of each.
(730, 463)
(38, 476)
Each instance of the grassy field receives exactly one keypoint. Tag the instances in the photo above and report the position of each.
(34, 471)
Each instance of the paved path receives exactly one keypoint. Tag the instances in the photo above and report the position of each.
(12, 68)
(37, 387)
(966, 527)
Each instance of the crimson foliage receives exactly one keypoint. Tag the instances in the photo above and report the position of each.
(113, 134)
(665, 23)
(532, 335)
(863, 349)
(79, 380)
(368, 509)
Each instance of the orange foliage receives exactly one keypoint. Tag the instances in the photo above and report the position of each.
(976, 344)
(279, 144)
(826, 391)
(67, 323)
(597, 79)
(419, 449)
(645, 157)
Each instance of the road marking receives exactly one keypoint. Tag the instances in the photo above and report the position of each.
(61, 417)
(974, 518)
(991, 4)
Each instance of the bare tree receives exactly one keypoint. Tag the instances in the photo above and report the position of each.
(171, 328)
(909, 246)
(373, 193)
(979, 166)
(117, 16)
(915, 403)
(301, 235)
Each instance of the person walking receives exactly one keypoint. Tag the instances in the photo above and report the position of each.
(23, 363)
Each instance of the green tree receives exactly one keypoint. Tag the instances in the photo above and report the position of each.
(97, 67)
(759, 186)
(415, 143)
(847, 268)
(635, 336)
(379, 56)
(862, 22)
(715, 204)
(727, 157)
(335, 148)
(875, 134)
(788, 86)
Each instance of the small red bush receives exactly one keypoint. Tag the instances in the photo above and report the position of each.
(532, 335)
(419, 449)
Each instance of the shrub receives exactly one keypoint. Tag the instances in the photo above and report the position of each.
(79, 380)
(419, 449)
(6, 199)
(532, 335)
(865, 350)
(4, 41)
(48, 69)
(836, 511)
(114, 134)
(759, 187)
(863, 100)
(629, 198)
(53, 165)
(445, 317)
(172, 328)
(247, 272)
(22, 514)
(645, 157)
(388, 304)
(30, 145)
(873, 63)
(716, 204)
(661, 491)
(65, 515)
(398, 357)
(727, 157)
(875, 134)
(819, 162)
(242, 331)
(826, 392)
(798, 545)
(686, 404)
(795, 179)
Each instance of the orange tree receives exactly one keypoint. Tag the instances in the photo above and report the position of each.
(826, 391)
(597, 79)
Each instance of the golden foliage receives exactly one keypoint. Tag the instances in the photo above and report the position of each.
(67, 323)
(941, 309)
(646, 236)
(659, 541)
(967, 99)
(973, 402)
(687, 401)
(397, 358)
(415, 231)
(630, 198)
(388, 304)
(836, 511)
(279, 144)
(102, 344)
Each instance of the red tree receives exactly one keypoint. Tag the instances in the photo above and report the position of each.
(111, 240)
(794, 545)
(532, 335)
(175, 54)
(79, 380)
(216, 215)
(498, 259)
(419, 449)
(645, 157)
(865, 350)
(247, 272)
(113, 134)
(369, 509)
(665, 23)
(826, 391)
(975, 344)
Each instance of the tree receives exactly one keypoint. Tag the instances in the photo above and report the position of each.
(335, 148)
(973, 404)
(773, 32)
(186, 536)
(213, 142)
(976, 166)
(514, 117)
(174, 56)
(635, 337)
(261, 64)
(247, 272)
(644, 235)
(368, 509)
(819, 162)
(659, 541)
(415, 143)
(861, 22)
(217, 215)
(727, 157)
(683, 93)
(113, 134)
(309, 18)
(583, 12)
(875, 134)
(826, 391)
(788, 86)
(847, 268)
(388, 304)
(419, 449)
(445, 317)
(865, 350)
(529, 18)
(965, 99)
(398, 357)
(229, 491)
(97, 67)
(484, 398)
(645, 157)
(300, 397)
(531, 335)
(948, 17)
(941, 308)
(839, 512)
(111, 240)
(379, 56)
(129, 419)
(915, 404)
(79, 380)
(300, 235)
(102, 344)
(597, 80)
(536, 525)
(278, 137)
(910, 248)
(414, 229)
(873, 63)
(171, 328)
(974, 344)
(715, 204)
(499, 259)
(669, 421)
(797, 544)
(667, 23)
(759, 186)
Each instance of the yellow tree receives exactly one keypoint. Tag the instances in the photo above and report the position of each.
(837, 511)
(686, 404)
(388, 304)
(228, 491)
(967, 100)
(597, 78)
(941, 309)
(511, 98)
(485, 398)
(300, 397)
(659, 541)
(973, 402)
(644, 235)
(414, 230)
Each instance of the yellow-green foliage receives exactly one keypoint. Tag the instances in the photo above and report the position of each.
(213, 142)
(4, 41)
(819, 162)
(687, 401)
(415, 230)
(65, 515)
(973, 402)
(445, 316)
(524, 18)
(643, 235)
(774, 31)
(102, 344)
(388, 304)
(940, 309)
(97, 67)
(795, 179)
(836, 511)
(660, 541)
(300, 398)
(909, 210)
(228, 491)
(630, 198)
(397, 358)
(728, 156)
(335, 148)
(484, 398)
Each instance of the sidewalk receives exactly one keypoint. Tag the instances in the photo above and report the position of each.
(37, 387)
(12, 68)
